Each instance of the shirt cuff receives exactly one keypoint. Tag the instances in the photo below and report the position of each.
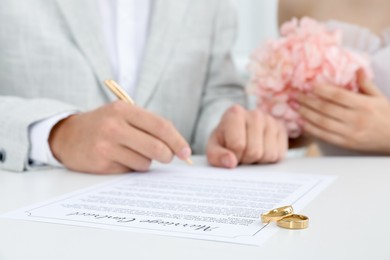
(39, 132)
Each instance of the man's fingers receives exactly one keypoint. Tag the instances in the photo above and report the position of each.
(255, 135)
(145, 144)
(234, 130)
(271, 148)
(102, 168)
(283, 141)
(219, 156)
(113, 168)
(160, 128)
(130, 159)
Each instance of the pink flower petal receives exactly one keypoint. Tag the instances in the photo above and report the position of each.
(306, 55)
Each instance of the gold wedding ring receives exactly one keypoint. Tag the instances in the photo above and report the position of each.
(277, 214)
(294, 222)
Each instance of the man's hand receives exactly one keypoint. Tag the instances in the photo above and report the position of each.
(358, 121)
(246, 137)
(116, 138)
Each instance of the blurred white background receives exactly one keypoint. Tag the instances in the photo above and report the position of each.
(256, 22)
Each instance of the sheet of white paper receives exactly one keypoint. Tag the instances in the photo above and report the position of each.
(182, 201)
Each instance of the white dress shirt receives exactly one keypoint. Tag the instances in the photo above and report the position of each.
(125, 27)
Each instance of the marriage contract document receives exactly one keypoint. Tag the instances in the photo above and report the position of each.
(183, 201)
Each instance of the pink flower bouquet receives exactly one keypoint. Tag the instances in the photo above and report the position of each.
(306, 55)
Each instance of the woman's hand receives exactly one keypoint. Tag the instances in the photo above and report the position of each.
(357, 121)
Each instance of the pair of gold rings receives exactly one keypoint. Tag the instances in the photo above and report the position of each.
(285, 218)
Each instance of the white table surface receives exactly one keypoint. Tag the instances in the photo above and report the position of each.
(349, 220)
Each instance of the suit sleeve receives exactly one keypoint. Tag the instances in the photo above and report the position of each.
(17, 114)
(223, 86)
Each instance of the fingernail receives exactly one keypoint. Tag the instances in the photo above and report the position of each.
(226, 161)
(185, 153)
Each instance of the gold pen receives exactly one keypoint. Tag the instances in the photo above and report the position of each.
(118, 91)
(122, 95)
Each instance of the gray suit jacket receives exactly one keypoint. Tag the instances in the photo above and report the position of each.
(52, 60)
